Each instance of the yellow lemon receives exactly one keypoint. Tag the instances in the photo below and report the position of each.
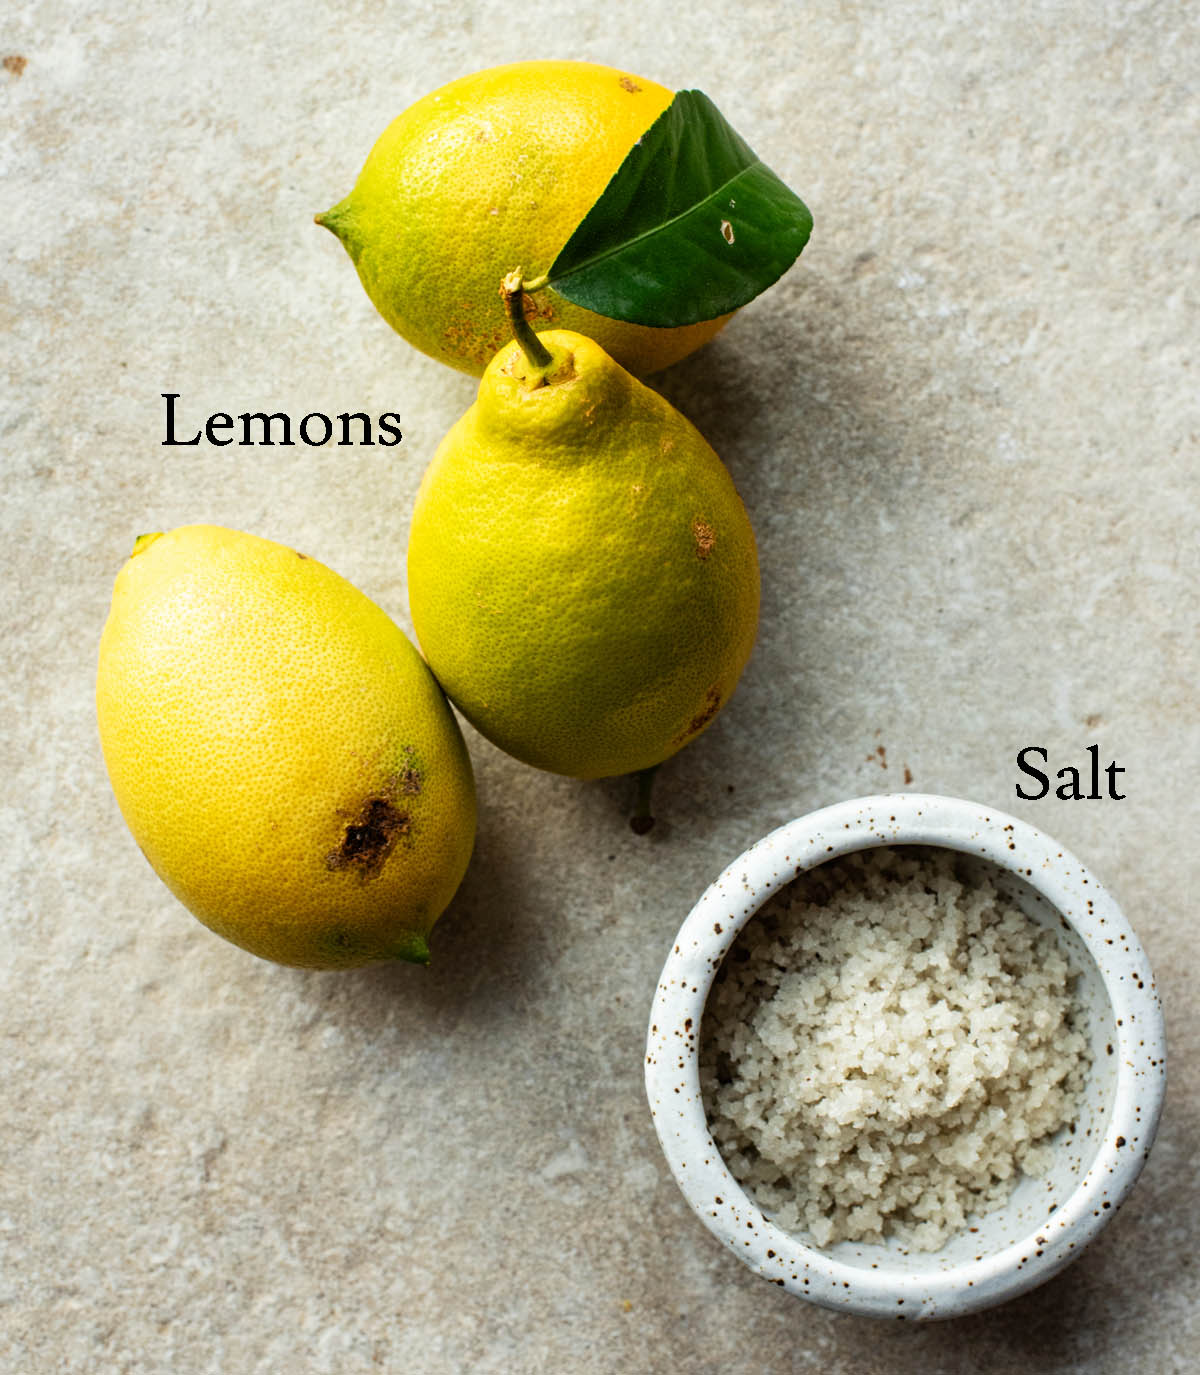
(582, 572)
(281, 753)
(490, 173)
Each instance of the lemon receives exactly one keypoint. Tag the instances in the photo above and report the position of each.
(281, 753)
(493, 172)
(582, 573)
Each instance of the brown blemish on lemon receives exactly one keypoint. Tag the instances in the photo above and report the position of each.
(371, 836)
(627, 83)
(369, 839)
(539, 306)
(705, 537)
(712, 705)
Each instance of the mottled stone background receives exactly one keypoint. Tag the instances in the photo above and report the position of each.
(965, 426)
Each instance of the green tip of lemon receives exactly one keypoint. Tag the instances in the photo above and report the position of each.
(143, 542)
(336, 219)
(413, 948)
(339, 220)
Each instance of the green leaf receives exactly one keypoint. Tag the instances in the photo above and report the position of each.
(692, 225)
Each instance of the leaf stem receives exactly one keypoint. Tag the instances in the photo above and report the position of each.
(512, 290)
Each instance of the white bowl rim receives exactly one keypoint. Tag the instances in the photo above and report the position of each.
(672, 1058)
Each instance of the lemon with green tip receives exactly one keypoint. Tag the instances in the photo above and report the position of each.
(280, 751)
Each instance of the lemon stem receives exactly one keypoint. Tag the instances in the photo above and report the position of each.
(512, 289)
(642, 819)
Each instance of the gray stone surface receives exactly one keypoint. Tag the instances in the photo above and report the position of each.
(965, 428)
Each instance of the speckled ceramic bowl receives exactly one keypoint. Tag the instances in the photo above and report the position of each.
(1047, 1221)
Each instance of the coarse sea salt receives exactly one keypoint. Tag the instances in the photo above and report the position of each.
(887, 1047)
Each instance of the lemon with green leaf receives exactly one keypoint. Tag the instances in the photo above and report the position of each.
(637, 216)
